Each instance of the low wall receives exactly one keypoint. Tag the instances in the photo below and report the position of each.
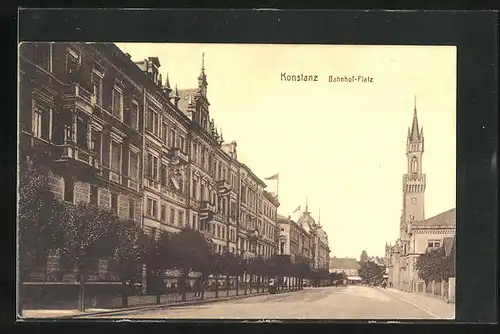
(64, 296)
(442, 289)
(451, 289)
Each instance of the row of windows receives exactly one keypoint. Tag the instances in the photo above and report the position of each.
(176, 217)
(81, 132)
(116, 163)
(41, 128)
(202, 156)
(246, 245)
(153, 169)
(69, 196)
(159, 172)
(268, 210)
(154, 123)
(221, 232)
(267, 228)
(130, 115)
(248, 222)
(160, 128)
(42, 56)
(434, 243)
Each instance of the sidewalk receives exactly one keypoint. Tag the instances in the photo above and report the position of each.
(431, 304)
(147, 303)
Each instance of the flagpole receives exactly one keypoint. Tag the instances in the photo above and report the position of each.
(278, 185)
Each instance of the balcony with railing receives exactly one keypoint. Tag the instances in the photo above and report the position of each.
(177, 156)
(76, 97)
(151, 182)
(223, 187)
(207, 206)
(132, 184)
(72, 153)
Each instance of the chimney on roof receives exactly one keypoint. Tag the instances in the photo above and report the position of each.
(128, 55)
(233, 151)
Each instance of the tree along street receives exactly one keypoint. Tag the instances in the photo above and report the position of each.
(83, 234)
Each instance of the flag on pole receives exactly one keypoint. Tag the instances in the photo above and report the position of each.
(296, 210)
(274, 177)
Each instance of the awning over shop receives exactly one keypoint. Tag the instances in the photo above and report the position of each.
(354, 278)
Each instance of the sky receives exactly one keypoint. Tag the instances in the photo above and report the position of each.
(342, 145)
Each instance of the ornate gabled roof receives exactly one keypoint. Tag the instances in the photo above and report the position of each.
(306, 221)
(185, 96)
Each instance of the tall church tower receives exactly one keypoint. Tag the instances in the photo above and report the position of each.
(414, 179)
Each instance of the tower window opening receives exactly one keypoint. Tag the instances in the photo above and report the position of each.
(414, 165)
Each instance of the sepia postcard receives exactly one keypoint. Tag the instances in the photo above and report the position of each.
(236, 181)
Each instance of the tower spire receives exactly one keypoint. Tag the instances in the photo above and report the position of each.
(203, 76)
(202, 79)
(307, 208)
(415, 134)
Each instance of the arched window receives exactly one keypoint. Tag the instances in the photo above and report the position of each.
(414, 165)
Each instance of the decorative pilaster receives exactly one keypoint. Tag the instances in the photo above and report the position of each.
(73, 128)
(89, 136)
(144, 280)
(50, 115)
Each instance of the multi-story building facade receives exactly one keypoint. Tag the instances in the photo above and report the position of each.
(417, 234)
(80, 118)
(305, 239)
(193, 178)
(110, 131)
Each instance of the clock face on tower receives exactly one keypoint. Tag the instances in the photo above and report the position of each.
(414, 200)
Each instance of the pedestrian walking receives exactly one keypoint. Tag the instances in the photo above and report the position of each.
(181, 285)
(198, 287)
(272, 286)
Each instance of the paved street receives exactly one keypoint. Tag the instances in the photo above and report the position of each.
(352, 302)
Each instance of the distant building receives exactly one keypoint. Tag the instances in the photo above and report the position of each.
(304, 239)
(347, 265)
(417, 234)
(377, 260)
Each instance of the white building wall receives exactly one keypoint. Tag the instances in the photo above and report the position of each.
(421, 238)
